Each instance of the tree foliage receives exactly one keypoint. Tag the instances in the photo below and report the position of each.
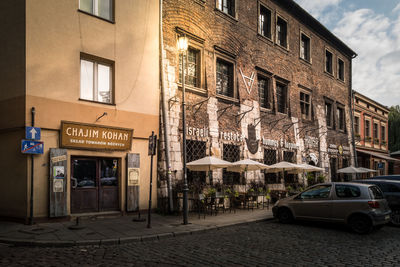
(394, 128)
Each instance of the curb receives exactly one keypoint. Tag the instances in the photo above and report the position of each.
(122, 240)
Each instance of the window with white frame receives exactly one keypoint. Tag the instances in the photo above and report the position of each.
(281, 32)
(100, 8)
(340, 69)
(226, 6)
(96, 80)
(264, 22)
(305, 105)
(328, 62)
(305, 47)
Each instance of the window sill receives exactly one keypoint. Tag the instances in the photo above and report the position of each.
(341, 81)
(95, 16)
(282, 48)
(191, 89)
(97, 102)
(265, 39)
(330, 75)
(227, 99)
(305, 61)
(266, 110)
(226, 15)
(200, 2)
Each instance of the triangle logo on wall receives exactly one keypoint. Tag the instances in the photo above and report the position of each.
(248, 81)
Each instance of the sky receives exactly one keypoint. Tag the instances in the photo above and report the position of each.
(371, 28)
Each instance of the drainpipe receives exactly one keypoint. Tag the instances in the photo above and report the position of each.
(165, 118)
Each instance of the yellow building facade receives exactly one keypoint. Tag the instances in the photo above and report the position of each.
(91, 66)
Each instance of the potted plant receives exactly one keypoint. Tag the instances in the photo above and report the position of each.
(321, 178)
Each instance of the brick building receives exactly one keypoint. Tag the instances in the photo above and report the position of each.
(371, 130)
(265, 81)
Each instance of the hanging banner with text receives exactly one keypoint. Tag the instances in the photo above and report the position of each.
(89, 136)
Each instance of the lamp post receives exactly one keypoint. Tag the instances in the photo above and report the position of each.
(182, 47)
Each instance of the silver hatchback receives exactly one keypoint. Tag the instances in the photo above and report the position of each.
(362, 206)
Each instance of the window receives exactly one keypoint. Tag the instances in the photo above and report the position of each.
(333, 165)
(357, 125)
(340, 118)
(96, 79)
(227, 6)
(263, 92)
(383, 133)
(305, 47)
(231, 153)
(195, 150)
(317, 192)
(375, 131)
(328, 62)
(192, 77)
(281, 32)
(269, 159)
(224, 78)
(340, 69)
(347, 191)
(100, 8)
(305, 105)
(281, 98)
(367, 129)
(265, 22)
(328, 113)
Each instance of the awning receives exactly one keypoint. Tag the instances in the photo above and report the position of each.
(378, 155)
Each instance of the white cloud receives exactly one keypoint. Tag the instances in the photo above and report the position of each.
(376, 39)
(397, 8)
(321, 9)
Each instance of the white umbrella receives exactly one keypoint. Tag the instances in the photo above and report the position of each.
(207, 164)
(311, 168)
(366, 169)
(351, 169)
(246, 165)
(285, 166)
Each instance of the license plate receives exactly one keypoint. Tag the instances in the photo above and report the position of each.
(387, 217)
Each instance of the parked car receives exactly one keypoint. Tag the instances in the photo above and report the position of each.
(386, 177)
(391, 191)
(361, 206)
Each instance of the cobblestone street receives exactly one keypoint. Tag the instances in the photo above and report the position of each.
(263, 243)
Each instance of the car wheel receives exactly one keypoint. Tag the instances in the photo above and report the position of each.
(395, 217)
(285, 215)
(360, 224)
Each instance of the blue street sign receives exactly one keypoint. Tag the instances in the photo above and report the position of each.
(32, 133)
(380, 165)
(32, 147)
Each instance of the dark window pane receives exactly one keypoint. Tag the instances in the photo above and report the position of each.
(281, 32)
(195, 150)
(347, 191)
(269, 159)
(265, 22)
(224, 78)
(231, 153)
(108, 172)
(328, 61)
(263, 85)
(84, 171)
(281, 98)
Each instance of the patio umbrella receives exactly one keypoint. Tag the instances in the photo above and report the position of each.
(285, 166)
(366, 169)
(207, 164)
(246, 165)
(351, 170)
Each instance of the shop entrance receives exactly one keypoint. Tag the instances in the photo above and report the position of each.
(94, 184)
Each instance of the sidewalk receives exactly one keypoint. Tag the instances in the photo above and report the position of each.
(121, 229)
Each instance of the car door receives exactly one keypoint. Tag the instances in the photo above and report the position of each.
(314, 203)
(346, 200)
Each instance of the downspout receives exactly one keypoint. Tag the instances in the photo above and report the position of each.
(165, 118)
(351, 96)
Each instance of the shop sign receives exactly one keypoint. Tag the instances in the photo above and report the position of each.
(311, 142)
(282, 143)
(252, 142)
(231, 136)
(338, 149)
(346, 150)
(89, 136)
(333, 149)
(199, 132)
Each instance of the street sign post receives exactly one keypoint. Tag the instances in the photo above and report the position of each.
(32, 147)
(32, 133)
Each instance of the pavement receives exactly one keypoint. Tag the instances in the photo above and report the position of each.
(102, 230)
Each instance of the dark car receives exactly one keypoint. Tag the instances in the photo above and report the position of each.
(391, 190)
(386, 177)
(361, 206)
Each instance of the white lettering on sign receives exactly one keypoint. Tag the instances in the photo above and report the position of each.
(199, 132)
(231, 136)
(271, 143)
(282, 143)
(311, 142)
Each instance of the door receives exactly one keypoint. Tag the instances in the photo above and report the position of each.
(94, 184)
(315, 203)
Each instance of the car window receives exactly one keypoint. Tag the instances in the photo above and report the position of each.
(320, 191)
(347, 191)
(375, 192)
(393, 188)
(384, 187)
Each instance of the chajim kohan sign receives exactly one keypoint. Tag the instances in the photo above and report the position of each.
(89, 136)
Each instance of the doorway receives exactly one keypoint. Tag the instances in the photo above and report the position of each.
(94, 184)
